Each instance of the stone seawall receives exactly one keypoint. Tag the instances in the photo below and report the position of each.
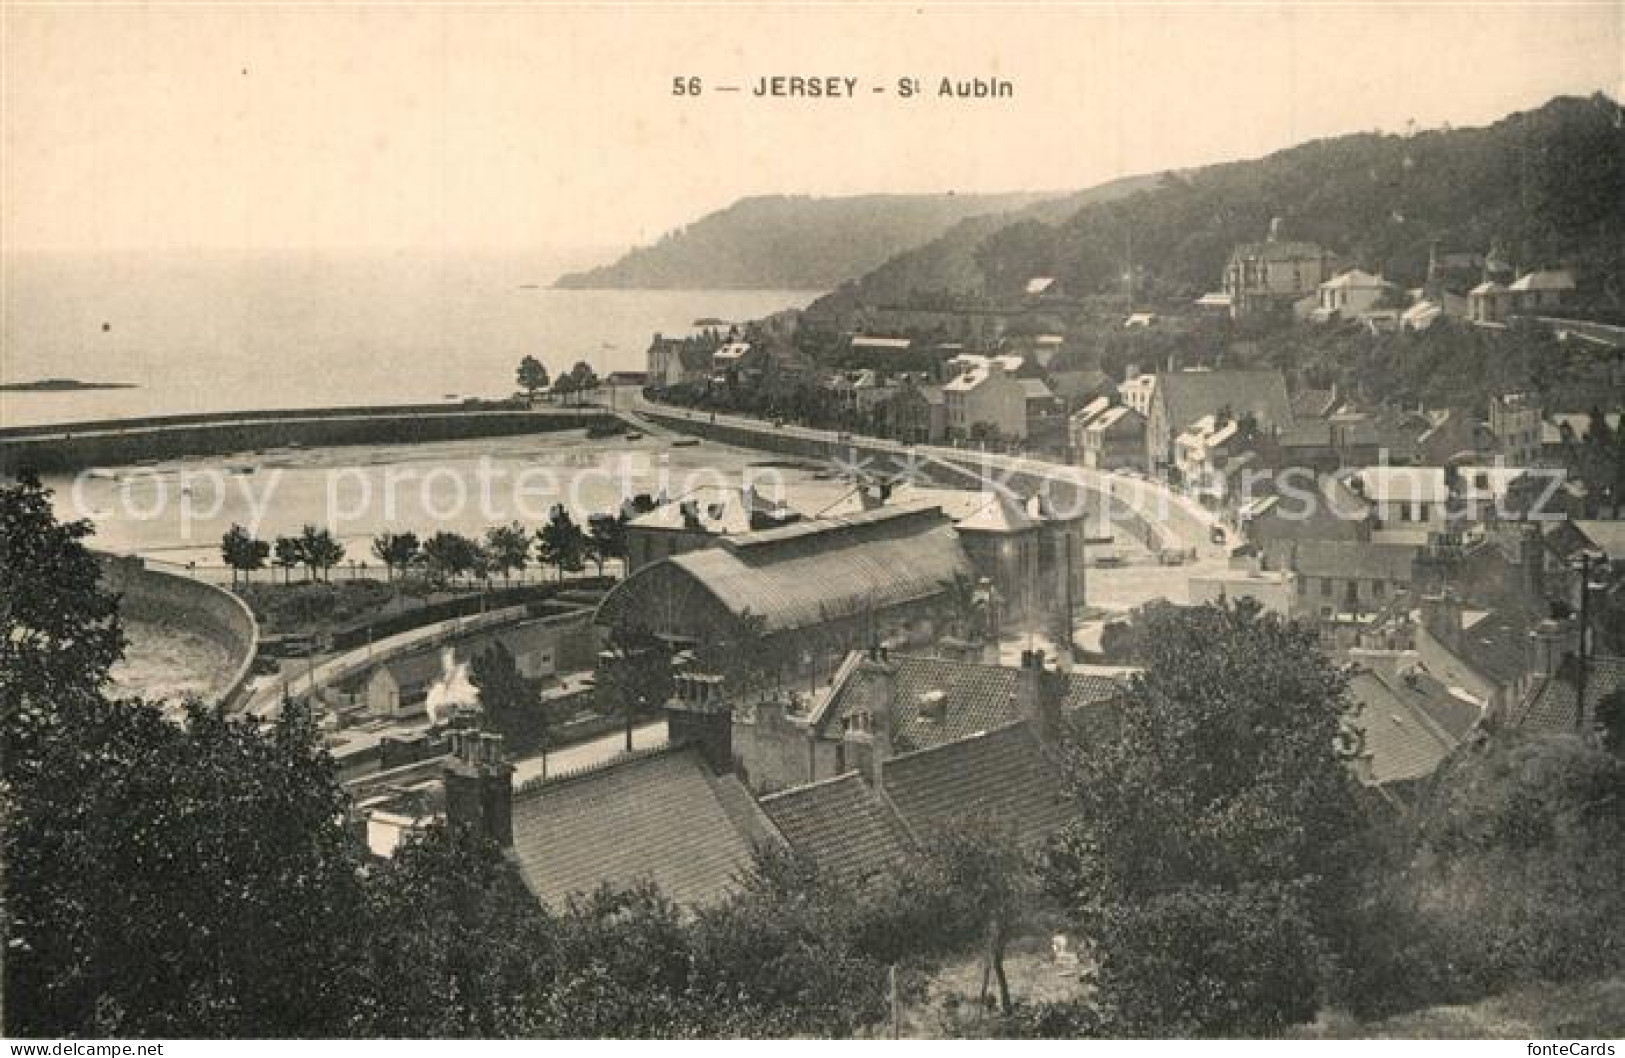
(79, 446)
(167, 599)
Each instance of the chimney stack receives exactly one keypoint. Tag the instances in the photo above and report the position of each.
(1041, 693)
(698, 715)
(1551, 641)
(1441, 617)
(869, 726)
(479, 785)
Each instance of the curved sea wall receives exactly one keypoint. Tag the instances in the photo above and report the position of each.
(167, 599)
(121, 442)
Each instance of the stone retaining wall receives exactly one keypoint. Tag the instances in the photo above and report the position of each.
(154, 597)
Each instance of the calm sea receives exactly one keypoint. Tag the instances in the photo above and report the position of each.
(226, 331)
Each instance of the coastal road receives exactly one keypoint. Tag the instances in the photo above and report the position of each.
(1183, 522)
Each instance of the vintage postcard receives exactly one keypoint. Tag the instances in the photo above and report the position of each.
(689, 521)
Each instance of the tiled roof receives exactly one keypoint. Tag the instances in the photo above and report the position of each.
(661, 816)
(1403, 740)
(847, 832)
(1550, 703)
(976, 697)
(818, 570)
(1002, 777)
(1189, 395)
(1036, 389)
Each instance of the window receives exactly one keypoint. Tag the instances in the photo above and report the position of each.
(1378, 587)
(1326, 586)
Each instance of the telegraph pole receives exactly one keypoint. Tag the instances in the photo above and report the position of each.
(1585, 628)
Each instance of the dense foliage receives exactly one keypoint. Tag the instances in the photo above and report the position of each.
(1544, 184)
(1219, 829)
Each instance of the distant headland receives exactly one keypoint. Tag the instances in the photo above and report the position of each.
(58, 385)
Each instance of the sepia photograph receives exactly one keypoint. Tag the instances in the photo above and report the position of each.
(811, 521)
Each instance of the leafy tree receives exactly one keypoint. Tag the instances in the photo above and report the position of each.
(634, 673)
(162, 879)
(561, 543)
(242, 552)
(450, 555)
(1611, 719)
(179, 880)
(290, 552)
(582, 378)
(532, 376)
(319, 550)
(1514, 865)
(1221, 804)
(395, 551)
(495, 673)
(564, 387)
(606, 539)
(988, 883)
(507, 548)
(459, 948)
(59, 631)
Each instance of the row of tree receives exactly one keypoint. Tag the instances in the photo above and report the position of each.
(580, 380)
(561, 544)
(314, 548)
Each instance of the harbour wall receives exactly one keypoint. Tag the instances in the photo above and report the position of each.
(122, 442)
(167, 599)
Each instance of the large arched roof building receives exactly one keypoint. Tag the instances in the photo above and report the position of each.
(861, 574)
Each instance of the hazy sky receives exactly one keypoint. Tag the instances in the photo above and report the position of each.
(510, 126)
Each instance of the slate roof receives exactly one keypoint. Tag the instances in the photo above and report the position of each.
(1189, 395)
(1036, 389)
(1344, 559)
(1314, 403)
(1277, 251)
(1002, 776)
(659, 816)
(1001, 514)
(1567, 540)
(1550, 703)
(717, 510)
(1497, 644)
(1404, 484)
(849, 834)
(817, 570)
(1558, 279)
(1356, 279)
